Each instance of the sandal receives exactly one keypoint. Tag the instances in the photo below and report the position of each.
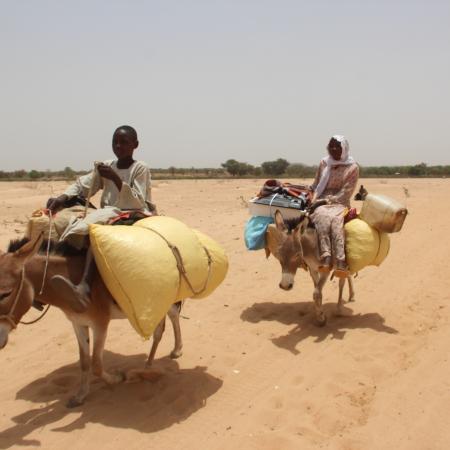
(341, 270)
(325, 267)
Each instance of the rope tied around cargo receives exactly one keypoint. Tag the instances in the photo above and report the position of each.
(180, 265)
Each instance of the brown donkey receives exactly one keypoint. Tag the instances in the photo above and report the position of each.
(296, 245)
(21, 277)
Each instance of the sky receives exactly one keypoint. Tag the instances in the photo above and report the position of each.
(206, 81)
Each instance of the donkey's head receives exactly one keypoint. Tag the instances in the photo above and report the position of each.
(361, 194)
(283, 241)
(16, 292)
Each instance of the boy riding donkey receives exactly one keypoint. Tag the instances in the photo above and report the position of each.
(126, 185)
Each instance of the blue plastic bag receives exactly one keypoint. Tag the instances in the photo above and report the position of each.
(255, 232)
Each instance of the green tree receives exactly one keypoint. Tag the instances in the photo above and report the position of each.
(234, 167)
(69, 173)
(419, 170)
(301, 171)
(34, 174)
(19, 173)
(277, 167)
(231, 166)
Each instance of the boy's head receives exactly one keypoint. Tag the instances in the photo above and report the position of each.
(124, 142)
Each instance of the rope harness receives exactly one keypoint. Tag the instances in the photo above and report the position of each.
(180, 265)
(91, 189)
(10, 316)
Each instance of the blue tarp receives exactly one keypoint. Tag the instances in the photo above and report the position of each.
(255, 232)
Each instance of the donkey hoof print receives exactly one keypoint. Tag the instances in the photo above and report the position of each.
(121, 376)
(321, 321)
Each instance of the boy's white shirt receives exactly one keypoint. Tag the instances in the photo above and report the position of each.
(134, 195)
(135, 192)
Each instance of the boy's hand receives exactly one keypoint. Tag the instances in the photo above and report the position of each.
(56, 204)
(109, 173)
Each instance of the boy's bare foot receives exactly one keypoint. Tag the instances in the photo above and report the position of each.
(77, 296)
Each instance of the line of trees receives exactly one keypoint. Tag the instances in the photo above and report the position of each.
(66, 174)
(237, 168)
(233, 168)
(281, 167)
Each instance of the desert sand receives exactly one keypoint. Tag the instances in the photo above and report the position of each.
(256, 372)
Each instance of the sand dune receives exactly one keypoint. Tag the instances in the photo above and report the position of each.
(256, 372)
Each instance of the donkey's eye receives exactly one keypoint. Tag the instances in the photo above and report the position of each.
(5, 295)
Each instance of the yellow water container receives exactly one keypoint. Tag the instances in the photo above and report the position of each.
(364, 245)
(383, 213)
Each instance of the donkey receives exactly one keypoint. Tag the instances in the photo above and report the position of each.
(21, 275)
(296, 245)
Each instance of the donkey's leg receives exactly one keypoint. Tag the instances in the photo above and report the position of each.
(100, 331)
(341, 302)
(314, 276)
(157, 335)
(321, 318)
(351, 289)
(82, 334)
(174, 316)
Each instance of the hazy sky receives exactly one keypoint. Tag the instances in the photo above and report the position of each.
(205, 81)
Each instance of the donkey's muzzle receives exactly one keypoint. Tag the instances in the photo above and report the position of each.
(4, 331)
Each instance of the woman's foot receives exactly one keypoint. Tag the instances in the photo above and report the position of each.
(325, 266)
(341, 270)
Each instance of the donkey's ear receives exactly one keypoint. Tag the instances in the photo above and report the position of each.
(272, 241)
(28, 250)
(279, 221)
(303, 225)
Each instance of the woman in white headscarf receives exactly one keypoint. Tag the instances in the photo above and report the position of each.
(335, 181)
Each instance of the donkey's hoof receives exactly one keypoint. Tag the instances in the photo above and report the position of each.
(121, 376)
(174, 354)
(352, 299)
(321, 321)
(74, 402)
(148, 364)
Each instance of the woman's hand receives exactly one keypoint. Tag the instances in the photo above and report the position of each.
(331, 199)
(109, 173)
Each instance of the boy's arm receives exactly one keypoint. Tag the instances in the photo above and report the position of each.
(136, 193)
(80, 187)
(83, 185)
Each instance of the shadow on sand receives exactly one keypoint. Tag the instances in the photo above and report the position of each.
(144, 406)
(302, 316)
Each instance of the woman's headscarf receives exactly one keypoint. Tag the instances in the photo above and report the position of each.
(345, 160)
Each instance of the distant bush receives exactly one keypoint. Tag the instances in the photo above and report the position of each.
(301, 171)
(234, 167)
(277, 167)
(34, 174)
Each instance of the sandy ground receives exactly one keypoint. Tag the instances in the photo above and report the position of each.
(256, 372)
